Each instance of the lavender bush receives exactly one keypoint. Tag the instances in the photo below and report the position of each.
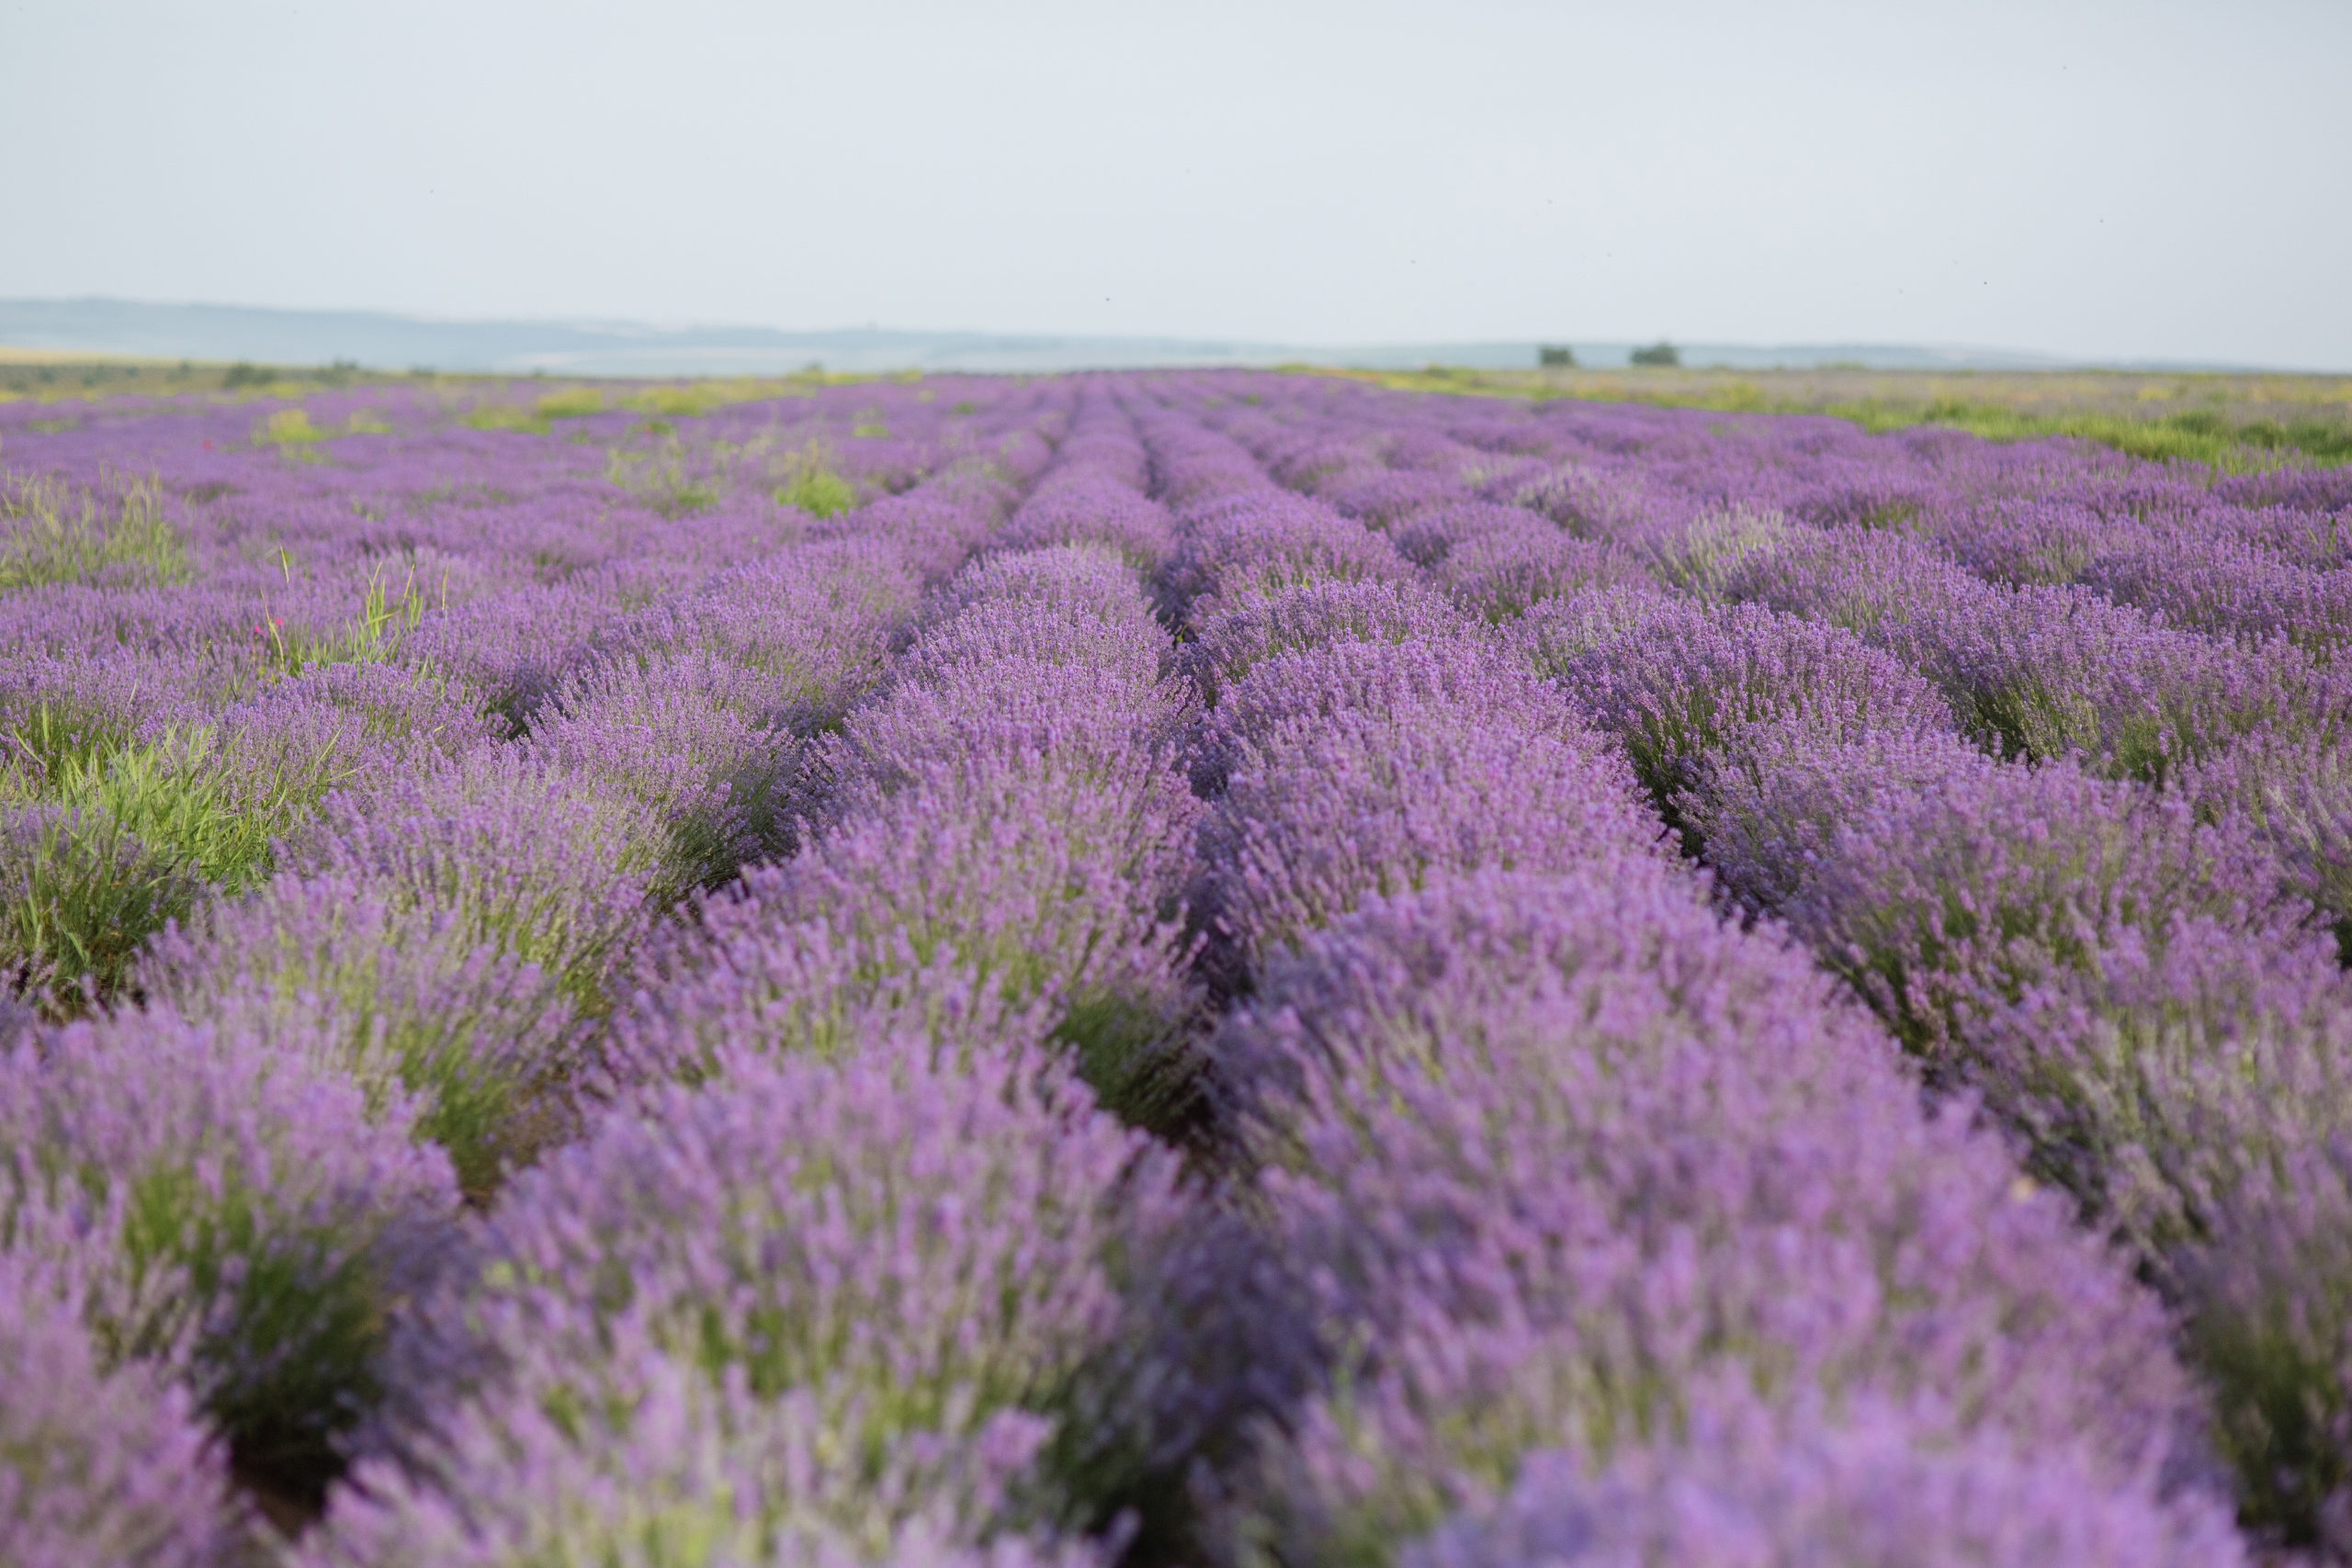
(241, 1216)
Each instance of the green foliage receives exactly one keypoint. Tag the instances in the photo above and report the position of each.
(115, 836)
(2322, 441)
(2201, 436)
(820, 492)
(690, 400)
(685, 497)
(576, 402)
(57, 735)
(207, 811)
(1658, 353)
(78, 894)
(306, 1308)
(53, 537)
(242, 373)
(660, 478)
(2277, 1414)
(811, 483)
(1133, 1051)
(291, 432)
(2315, 424)
(505, 416)
(375, 635)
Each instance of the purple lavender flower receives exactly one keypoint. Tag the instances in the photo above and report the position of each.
(1093, 508)
(518, 855)
(1681, 684)
(1233, 634)
(694, 743)
(663, 1466)
(856, 1277)
(2294, 791)
(1745, 1487)
(1262, 542)
(1994, 880)
(1560, 1152)
(2045, 672)
(404, 1000)
(99, 1463)
(1499, 574)
(238, 1212)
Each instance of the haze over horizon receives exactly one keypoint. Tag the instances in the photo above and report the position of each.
(383, 341)
(2090, 182)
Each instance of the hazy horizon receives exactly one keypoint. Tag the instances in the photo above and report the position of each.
(2088, 181)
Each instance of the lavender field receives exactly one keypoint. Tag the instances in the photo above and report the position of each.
(1209, 968)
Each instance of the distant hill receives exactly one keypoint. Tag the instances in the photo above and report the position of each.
(380, 340)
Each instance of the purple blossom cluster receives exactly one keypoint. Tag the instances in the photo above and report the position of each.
(1209, 967)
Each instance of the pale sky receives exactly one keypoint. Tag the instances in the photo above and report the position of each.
(2111, 180)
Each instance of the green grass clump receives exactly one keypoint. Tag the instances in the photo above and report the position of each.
(505, 416)
(79, 893)
(291, 432)
(817, 491)
(574, 402)
(384, 621)
(690, 401)
(662, 479)
(191, 802)
(52, 536)
(110, 837)
(814, 483)
(288, 427)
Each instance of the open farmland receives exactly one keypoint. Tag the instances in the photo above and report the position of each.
(2233, 420)
(1205, 967)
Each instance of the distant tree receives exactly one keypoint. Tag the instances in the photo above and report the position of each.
(1660, 352)
(242, 373)
(1551, 355)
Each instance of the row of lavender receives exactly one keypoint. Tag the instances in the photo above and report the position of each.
(1559, 1216)
(2042, 752)
(218, 1185)
(814, 1286)
(1526, 1205)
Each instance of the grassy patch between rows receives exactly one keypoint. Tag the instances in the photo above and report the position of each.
(2233, 422)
